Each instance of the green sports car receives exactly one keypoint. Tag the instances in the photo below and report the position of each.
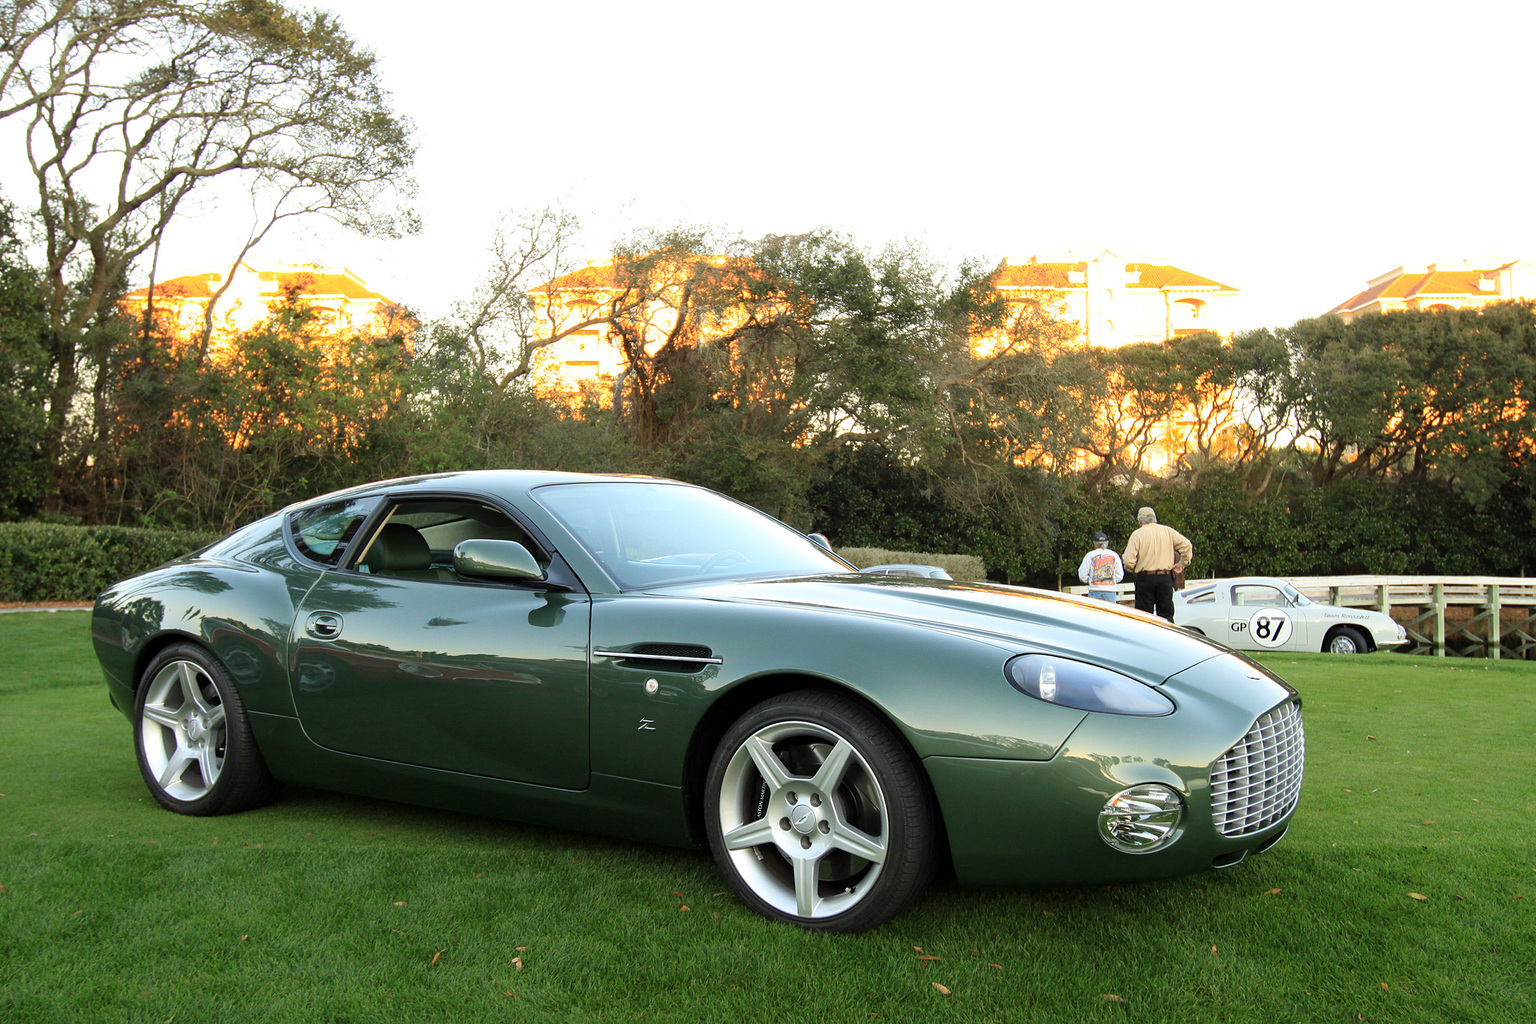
(650, 659)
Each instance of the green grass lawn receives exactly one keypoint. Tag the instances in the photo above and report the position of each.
(1406, 892)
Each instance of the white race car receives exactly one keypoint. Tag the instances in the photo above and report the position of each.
(1262, 613)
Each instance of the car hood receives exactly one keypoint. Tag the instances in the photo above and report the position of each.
(1012, 618)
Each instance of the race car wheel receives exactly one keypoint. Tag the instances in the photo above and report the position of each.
(1348, 640)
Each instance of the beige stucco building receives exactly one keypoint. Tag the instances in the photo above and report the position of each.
(1120, 300)
(1466, 285)
(255, 291)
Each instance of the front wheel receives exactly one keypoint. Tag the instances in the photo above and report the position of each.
(1348, 640)
(818, 814)
(193, 737)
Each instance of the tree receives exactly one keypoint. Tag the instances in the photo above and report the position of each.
(1418, 395)
(287, 410)
(129, 107)
(23, 375)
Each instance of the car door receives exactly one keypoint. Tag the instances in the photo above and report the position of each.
(414, 663)
(1262, 618)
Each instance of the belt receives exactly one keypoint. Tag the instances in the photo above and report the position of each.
(1155, 572)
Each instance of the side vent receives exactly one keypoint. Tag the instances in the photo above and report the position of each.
(686, 658)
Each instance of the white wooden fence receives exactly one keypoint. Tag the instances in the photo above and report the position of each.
(1459, 616)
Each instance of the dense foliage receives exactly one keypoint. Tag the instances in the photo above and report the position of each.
(842, 390)
(52, 562)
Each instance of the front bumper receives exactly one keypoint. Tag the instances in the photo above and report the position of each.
(1036, 822)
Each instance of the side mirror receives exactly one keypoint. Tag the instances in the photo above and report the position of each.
(820, 540)
(503, 559)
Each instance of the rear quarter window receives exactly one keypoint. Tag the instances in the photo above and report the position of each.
(322, 533)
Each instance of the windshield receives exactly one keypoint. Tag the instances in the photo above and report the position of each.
(647, 534)
(1298, 599)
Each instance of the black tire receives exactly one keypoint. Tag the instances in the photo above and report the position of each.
(1347, 640)
(860, 847)
(193, 736)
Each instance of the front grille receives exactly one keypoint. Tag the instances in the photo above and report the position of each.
(1258, 781)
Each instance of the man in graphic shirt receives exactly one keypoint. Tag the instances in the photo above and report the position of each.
(1101, 570)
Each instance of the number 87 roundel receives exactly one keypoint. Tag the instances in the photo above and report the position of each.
(1270, 627)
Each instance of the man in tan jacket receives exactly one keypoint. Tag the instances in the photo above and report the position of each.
(1151, 555)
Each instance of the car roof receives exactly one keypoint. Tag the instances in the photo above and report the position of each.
(504, 483)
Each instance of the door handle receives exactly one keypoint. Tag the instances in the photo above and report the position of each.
(323, 625)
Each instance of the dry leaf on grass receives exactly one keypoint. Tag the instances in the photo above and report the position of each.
(998, 966)
(1110, 997)
(926, 957)
(1418, 896)
(1272, 892)
(517, 963)
(436, 955)
(941, 988)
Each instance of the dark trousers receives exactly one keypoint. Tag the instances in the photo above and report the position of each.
(1154, 593)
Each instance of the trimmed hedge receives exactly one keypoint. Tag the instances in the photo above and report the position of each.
(51, 562)
(961, 567)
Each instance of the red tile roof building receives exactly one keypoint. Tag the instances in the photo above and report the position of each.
(343, 300)
(1464, 285)
(1118, 301)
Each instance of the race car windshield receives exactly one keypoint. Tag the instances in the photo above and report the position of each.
(1295, 596)
(652, 534)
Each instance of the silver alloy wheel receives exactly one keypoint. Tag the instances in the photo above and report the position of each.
(802, 817)
(182, 731)
(1344, 642)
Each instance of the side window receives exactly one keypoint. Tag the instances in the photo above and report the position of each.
(415, 540)
(1255, 596)
(1209, 597)
(323, 533)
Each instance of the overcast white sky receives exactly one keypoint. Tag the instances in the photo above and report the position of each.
(1290, 150)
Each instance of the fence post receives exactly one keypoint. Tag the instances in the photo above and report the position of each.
(1383, 602)
(1437, 597)
(1495, 623)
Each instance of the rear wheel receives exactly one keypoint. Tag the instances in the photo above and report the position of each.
(1348, 640)
(818, 814)
(193, 737)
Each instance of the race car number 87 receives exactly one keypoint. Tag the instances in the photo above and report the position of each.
(1270, 627)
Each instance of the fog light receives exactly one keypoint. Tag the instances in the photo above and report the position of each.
(1142, 819)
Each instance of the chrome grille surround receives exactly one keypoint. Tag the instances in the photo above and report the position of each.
(1258, 781)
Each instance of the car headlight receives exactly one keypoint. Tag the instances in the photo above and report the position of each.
(1077, 684)
(1142, 819)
